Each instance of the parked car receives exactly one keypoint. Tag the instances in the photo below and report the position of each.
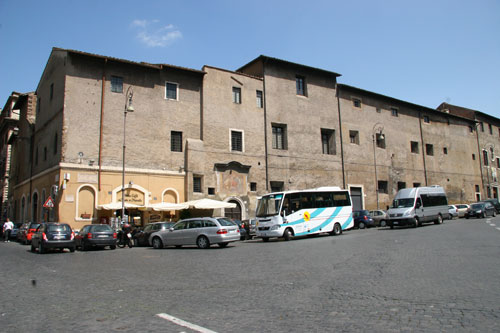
(200, 231)
(481, 210)
(29, 233)
(21, 234)
(380, 217)
(15, 231)
(241, 226)
(53, 236)
(362, 219)
(96, 236)
(141, 237)
(462, 209)
(453, 211)
(250, 227)
(495, 204)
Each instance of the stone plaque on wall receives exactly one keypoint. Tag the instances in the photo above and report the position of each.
(69, 198)
(232, 178)
(132, 196)
(88, 178)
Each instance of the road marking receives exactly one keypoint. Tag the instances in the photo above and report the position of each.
(183, 323)
(493, 225)
(498, 228)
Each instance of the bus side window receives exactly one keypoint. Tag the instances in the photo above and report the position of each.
(419, 203)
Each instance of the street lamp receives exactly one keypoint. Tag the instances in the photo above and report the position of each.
(376, 136)
(128, 108)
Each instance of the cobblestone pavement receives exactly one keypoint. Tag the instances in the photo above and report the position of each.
(437, 278)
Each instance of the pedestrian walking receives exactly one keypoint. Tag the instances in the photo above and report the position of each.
(7, 228)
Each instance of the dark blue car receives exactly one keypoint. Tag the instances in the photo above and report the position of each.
(362, 219)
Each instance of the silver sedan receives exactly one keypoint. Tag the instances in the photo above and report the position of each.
(199, 231)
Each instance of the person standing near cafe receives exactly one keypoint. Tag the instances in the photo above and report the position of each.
(7, 228)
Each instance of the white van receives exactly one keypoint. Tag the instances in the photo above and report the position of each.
(414, 206)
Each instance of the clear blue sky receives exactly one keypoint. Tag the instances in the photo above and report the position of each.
(425, 52)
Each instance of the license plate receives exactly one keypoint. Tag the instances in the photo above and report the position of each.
(103, 236)
(395, 222)
(59, 237)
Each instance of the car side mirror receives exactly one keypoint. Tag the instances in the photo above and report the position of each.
(171, 229)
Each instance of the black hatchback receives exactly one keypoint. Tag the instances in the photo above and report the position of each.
(481, 210)
(53, 236)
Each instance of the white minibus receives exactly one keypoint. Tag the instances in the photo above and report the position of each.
(299, 213)
(417, 205)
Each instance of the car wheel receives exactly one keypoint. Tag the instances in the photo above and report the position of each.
(41, 250)
(417, 223)
(361, 225)
(83, 247)
(223, 245)
(439, 220)
(483, 215)
(392, 227)
(136, 242)
(287, 235)
(202, 242)
(157, 243)
(265, 239)
(72, 249)
(112, 247)
(383, 223)
(494, 213)
(33, 249)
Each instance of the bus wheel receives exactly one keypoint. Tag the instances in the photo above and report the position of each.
(337, 230)
(265, 239)
(287, 235)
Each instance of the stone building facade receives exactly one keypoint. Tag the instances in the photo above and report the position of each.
(231, 136)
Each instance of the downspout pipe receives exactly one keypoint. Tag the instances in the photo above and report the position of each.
(101, 123)
(423, 147)
(265, 122)
(340, 132)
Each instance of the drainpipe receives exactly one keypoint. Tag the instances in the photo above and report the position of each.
(341, 140)
(265, 121)
(101, 120)
(423, 148)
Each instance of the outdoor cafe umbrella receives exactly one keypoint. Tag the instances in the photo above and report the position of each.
(117, 205)
(168, 206)
(209, 204)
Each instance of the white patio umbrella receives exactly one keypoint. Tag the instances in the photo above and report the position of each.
(209, 204)
(168, 206)
(117, 205)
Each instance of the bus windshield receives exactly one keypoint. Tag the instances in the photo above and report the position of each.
(269, 205)
(403, 203)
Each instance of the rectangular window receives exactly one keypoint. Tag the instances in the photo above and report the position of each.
(416, 184)
(477, 188)
(382, 186)
(394, 112)
(236, 141)
(116, 84)
(51, 91)
(211, 191)
(253, 187)
(354, 137)
(445, 150)
(277, 186)
(498, 162)
(176, 141)
(260, 99)
(38, 105)
(328, 141)
(426, 119)
(197, 184)
(485, 158)
(356, 102)
(236, 95)
(482, 126)
(401, 185)
(414, 147)
(473, 157)
(471, 129)
(171, 90)
(380, 140)
(429, 149)
(490, 129)
(300, 83)
(279, 136)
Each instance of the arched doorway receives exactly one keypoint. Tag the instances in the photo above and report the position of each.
(234, 213)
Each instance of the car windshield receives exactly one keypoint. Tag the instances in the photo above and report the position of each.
(101, 228)
(58, 228)
(225, 222)
(477, 206)
(403, 203)
(269, 205)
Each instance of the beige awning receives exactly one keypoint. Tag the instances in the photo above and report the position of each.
(117, 205)
(168, 206)
(209, 204)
